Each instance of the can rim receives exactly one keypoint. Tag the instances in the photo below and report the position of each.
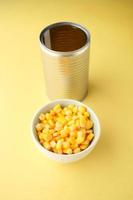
(61, 53)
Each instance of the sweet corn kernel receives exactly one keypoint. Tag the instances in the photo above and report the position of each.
(71, 140)
(41, 116)
(68, 112)
(80, 140)
(70, 122)
(89, 124)
(58, 137)
(67, 129)
(86, 142)
(58, 126)
(59, 144)
(82, 122)
(73, 127)
(74, 117)
(83, 146)
(60, 151)
(89, 131)
(77, 150)
(57, 108)
(62, 112)
(81, 137)
(78, 123)
(65, 109)
(62, 120)
(90, 136)
(52, 131)
(73, 134)
(47, 137)
(75, 109)
(81, 133)
(47, 116)
(51, 123)
(52, 113)
(54, 118)
(67, 151)
(74, 146)
(64, 133)
(53, 144)
(46, 127)
(66, 144)
(44, 121)
(39, 132)
(82, 109)
(42, 141)
(55, 134)
(68, 118)
(39, 126)
(80, 114)
(41, 136)
(47, 145)
(86, 114)
(55, 150)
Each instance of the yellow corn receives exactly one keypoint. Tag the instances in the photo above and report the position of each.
(73, 134)
(39, 126)
(66, 144)
(55, 150)
(60, 151)
(83, 146)
(89, 124)
(51, 123)
(59, 144)
(65, 130)
(70, 122)
(41, 116)
(52, 113)
(71, 140)
(70, 106)
(67, 151)
(47, 145)
(77, 150)
(64, 133)
(86, 114)
(57, 108)
(47, 137)
(82, 109)
(75, 109)
(58, 126)
(55, 134)
(53, 144)
(47, 116)
(41, 136)
(90, 136)
(73, 127)
(74, 146)
(81, 137)
(68, 112)
(82, 122)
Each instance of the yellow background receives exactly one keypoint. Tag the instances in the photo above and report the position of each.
(107, 173)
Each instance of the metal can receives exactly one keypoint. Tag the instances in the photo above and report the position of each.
(65, 52)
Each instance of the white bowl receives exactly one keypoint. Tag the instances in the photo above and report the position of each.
(61, 157)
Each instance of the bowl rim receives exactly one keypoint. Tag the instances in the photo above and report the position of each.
(89, 148)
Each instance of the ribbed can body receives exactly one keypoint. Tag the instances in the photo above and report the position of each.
(66, 73)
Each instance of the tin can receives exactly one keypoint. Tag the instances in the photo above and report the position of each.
(65, 52)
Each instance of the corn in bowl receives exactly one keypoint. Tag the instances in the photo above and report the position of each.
(65, 130)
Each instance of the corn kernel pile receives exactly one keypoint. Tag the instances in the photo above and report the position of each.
(65, 130)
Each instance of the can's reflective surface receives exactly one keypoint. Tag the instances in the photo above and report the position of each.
(65, 52)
